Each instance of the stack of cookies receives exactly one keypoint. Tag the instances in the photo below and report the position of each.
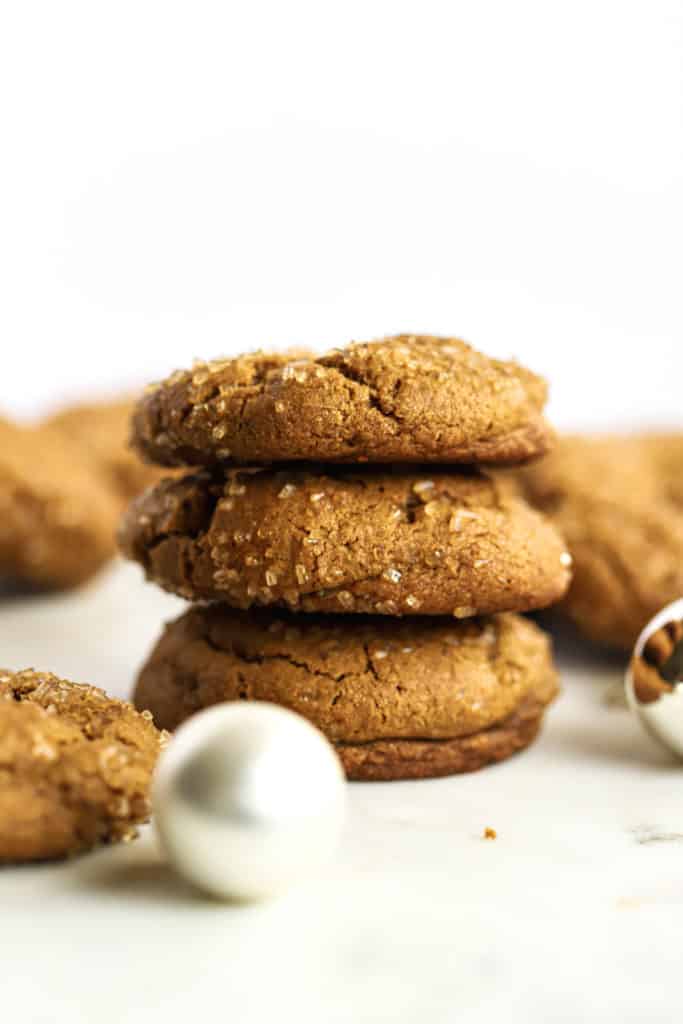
(347, 556)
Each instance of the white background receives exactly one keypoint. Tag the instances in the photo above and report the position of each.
(186, 179)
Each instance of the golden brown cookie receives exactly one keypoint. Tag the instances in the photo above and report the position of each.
(400, 698)
(75, 767)
(619, 503)
(392, 543)
(58, 516)
(411, 398)
(666, 451)
(103, 429)
(387, 760)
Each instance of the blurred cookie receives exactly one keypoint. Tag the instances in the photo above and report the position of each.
(58, 516)
(103, 428)
(409, 698)
(392, 543)
(75, 767)
(411, 398)
(619, 503)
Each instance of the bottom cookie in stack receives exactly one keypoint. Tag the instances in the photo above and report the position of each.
(399, 698)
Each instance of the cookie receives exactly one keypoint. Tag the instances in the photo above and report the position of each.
(411, 398)
(666, 452)
(619, 503)
(75, 767)
(400, 698)
(58, 517)
(103, 429)
(388, 760)
(389, 542)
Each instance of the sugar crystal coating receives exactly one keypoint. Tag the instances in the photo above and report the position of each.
(75, 766)
(349, 553)
(410, 398)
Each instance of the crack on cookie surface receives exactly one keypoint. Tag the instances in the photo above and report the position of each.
(75, 766)
(393, 543)
(454, 679)
(380, 401)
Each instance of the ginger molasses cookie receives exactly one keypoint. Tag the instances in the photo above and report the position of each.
(75, 767)
(391, 542)
(666, 452)
(58, 516)
(103, 429)
(411, 398)
(619, 503)
(407, 698)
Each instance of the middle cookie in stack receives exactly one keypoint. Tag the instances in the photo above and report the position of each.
(400, 699)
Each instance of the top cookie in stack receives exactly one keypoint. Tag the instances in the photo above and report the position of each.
(254, 527)
(404, 399)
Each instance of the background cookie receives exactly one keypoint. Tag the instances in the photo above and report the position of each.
(619, 503)
(58, 516)
(402, 399)
(393, 543)
(385, 691)
(63, 486)
(103, 429)
(75, 767)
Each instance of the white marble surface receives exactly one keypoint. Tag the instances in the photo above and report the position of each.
(573, 913)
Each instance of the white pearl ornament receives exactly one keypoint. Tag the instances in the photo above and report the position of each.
(248, 798)
(662, 717)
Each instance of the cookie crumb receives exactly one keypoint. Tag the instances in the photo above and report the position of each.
(490, 833)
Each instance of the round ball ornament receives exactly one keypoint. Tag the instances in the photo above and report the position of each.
(248, 799)
(654, 680)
